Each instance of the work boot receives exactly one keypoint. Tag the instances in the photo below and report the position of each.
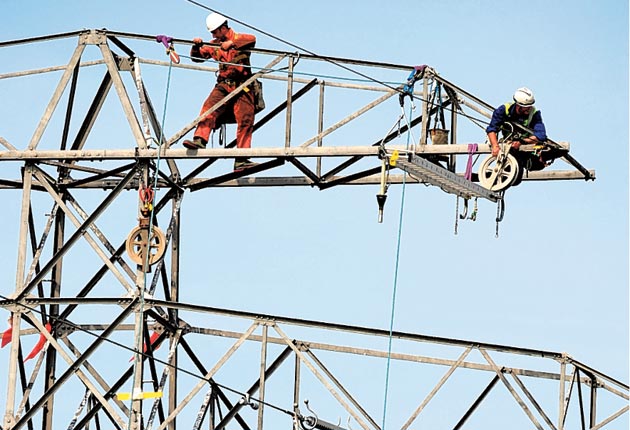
(196, 143)
(241, 164)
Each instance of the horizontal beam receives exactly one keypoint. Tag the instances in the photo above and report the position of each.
(40, 38)
(32, 301)
(366, 352)
(47, 69)
(183, 153)
(269, 76)
(298, 181)
(273, 52)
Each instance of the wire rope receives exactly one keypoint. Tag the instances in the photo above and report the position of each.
(395, 286)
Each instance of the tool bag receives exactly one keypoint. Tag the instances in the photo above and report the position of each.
(259, 101)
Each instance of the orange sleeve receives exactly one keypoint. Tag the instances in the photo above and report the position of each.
(202, 51)
(243, 40)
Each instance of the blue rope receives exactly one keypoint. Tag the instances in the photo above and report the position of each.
(157, 167)
(140, 343)
(393, 308)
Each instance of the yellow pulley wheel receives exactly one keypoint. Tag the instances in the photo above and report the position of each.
(139, 244)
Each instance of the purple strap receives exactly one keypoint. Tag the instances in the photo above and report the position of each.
(166, 40)
(472, 148)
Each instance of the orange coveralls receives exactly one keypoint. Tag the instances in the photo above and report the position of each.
(230, 76)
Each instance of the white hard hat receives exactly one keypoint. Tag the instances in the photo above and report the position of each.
(524, 97)
(214, 21)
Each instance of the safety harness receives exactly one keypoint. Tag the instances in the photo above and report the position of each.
(527, 121)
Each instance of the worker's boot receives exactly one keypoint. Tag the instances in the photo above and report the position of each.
(196, 143)
(241, 164)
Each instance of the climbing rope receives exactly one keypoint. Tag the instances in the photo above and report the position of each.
(147, 195)
(396, 265)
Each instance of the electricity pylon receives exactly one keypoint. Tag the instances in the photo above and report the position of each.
(87, 329)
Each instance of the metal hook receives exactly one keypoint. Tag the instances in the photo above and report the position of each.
(309, 408)
(308, 423)
(465, 213)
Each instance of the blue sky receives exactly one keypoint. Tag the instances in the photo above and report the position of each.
(555, 279)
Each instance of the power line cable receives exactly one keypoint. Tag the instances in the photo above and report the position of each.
(327, 59)
(293, 45)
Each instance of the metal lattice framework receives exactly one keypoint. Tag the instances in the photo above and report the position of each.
(84, 327)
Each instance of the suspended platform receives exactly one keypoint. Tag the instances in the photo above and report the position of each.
(434, 174)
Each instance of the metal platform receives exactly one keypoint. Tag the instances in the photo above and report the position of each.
(450, 182)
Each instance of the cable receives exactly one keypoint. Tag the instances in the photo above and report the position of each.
(293, 45)
(349, 69)
(140, 339)
(393, 308)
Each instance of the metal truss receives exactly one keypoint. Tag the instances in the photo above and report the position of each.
(194, 365)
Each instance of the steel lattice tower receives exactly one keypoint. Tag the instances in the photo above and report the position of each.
(85, 327)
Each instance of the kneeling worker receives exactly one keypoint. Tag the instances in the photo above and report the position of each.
(523, 112)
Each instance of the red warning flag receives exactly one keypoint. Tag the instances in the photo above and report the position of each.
(39, 345)
(152, 340)
(6, 337)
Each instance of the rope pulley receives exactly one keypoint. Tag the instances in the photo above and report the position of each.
(143, 248)
(500, 172)
(146, 248)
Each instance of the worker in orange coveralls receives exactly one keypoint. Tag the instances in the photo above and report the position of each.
(234, 69)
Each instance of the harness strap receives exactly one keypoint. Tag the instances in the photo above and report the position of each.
(472, 149)
(529, 117)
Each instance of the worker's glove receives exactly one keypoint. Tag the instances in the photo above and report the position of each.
(227, 45)
(197, 41)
